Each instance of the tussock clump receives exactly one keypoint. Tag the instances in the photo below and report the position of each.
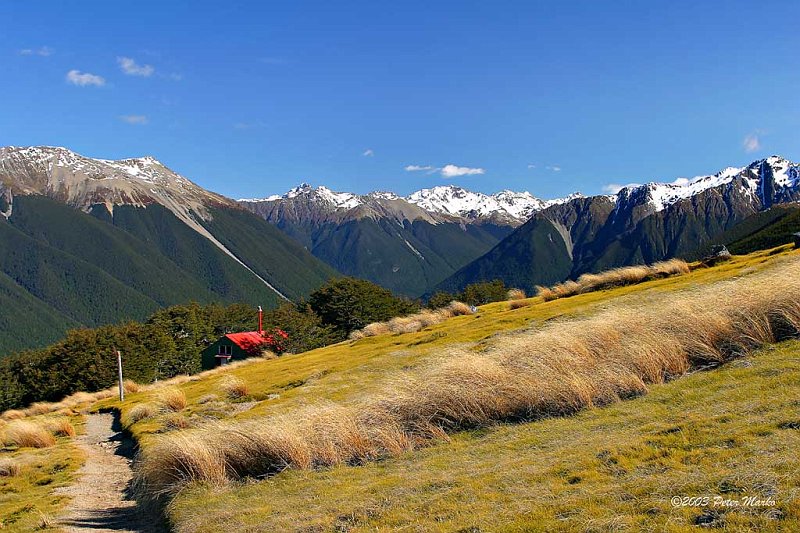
(26, 434)
(60, 427)
(412, 323)
(516, 304)
(176, 421)
(614, 278)
(556, 370)
(207, 398)
(515, 294)
(234, 388)
(130, 386)
(13, 414)
(139, 412)
(173, 399)
(9, 468)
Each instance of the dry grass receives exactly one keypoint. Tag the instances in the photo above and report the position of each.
(9, 468)
(517, 304)
(26, 434)
(173, 399)
(140, 412)
(556, 370)
(515, 294)
(234, 388)
(412, 323)
(59, 427)
(175, 421)
(614, 278)
(68, 404)
(130, 386)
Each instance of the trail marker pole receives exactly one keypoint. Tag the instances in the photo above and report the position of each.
(119, 371)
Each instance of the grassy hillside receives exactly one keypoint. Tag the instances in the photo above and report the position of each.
(607, 464)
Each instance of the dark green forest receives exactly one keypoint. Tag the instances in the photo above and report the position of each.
(62, 269)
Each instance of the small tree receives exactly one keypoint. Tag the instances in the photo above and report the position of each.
(349, 304)
(441, 299)
(484, 292)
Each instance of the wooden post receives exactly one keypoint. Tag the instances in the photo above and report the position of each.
(119, 370)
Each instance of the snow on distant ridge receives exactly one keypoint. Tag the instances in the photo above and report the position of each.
(662, 195)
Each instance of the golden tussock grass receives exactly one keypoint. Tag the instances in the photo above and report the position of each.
(130, 386)
(59, 427)
(412, 323)
(557, 370)
(173, 399)
(234, 388)
(9, 468)
(140, 411)
(27, 434)
(516, 304)
(515, 294)
(614, 278)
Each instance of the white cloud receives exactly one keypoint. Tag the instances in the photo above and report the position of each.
(531, 166)
(136, 120)
(43, 51)
(752, 142)
(681, 182)
(131, 68)
(417, 168)
(368, 153)
(554, 168)
(451, 171)
(614, 188)
(82, 79)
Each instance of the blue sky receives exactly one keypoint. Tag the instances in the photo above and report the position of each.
(250, 98)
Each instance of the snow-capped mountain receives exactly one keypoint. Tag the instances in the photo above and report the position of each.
(785, 176)
(83, 181)
(505, 207)
(149, 191)
(640, 224)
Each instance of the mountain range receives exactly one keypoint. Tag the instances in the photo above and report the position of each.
(443, 238)
(85, 242)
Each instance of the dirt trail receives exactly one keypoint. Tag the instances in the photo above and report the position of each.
(101, 499)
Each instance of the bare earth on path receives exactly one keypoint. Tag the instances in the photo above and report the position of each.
(101, 499)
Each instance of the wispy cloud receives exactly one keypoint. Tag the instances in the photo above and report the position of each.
(531, 165)
(368, 153)
(43, 51)
(752, 142)
(614, 188)
(83, 79)
(131, 68)
(447, 171)
(452, 171)
(136, 120)
(554, 168)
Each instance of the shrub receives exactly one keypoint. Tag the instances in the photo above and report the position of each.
(234, 388)
(173, 399)
(140, 411)
(484, 292)
(26, 434)
(9, 468)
